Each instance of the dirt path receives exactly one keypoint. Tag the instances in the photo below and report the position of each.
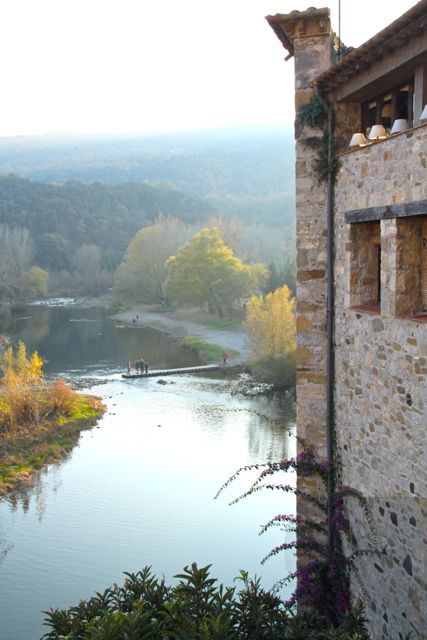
(191, 322)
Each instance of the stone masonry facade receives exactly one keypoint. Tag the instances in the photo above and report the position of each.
(380, 374)
(381, 381)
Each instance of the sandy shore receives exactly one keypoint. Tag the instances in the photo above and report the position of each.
(189, 322)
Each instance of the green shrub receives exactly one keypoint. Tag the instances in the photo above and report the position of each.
(196, 608)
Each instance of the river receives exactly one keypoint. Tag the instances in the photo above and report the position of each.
(138, 489)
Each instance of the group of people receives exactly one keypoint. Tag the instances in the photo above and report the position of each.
(141, 366)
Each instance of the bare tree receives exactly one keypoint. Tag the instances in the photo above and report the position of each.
(16, 253)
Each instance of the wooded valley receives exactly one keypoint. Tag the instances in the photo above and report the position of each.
(72, 206)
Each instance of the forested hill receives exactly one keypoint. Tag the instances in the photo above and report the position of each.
(80, 214)
(245, 172)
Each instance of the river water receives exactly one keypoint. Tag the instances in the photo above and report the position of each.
(138, 489)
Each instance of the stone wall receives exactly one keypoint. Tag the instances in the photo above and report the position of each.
(310, 33)
(312, 55)
(381, 382)
(380, 355)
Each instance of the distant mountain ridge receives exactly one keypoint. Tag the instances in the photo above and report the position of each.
(249, 161)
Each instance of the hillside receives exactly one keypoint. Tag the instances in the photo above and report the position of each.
(245, 172)
(71, 205)
(102, 214)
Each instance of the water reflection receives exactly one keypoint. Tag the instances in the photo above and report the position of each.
(4, 549)
(43, 482)
(71, 338)
(139, 489)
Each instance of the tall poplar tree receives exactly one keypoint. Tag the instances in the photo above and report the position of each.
(270, 324)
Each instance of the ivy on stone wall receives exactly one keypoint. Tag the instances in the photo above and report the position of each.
(314, 115)
(321, 164)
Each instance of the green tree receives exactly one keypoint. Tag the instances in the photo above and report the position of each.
(16, 253)
(277, 277)
(142, 273)
(206, 272)
(87, 267)
(51, 251)
(34, 282)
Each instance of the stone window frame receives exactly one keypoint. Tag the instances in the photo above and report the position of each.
(403, 263)
(365, 266)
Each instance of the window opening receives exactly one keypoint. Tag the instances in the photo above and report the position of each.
(386, 108)
(365, 265)
(378, 246)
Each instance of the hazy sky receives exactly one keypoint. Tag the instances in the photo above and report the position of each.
(98, 66)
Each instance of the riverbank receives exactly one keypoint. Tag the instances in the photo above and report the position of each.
(196, 329)
(26, 450)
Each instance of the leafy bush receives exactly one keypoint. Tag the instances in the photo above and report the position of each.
(61, 398)
(280, 371)
(145, 608)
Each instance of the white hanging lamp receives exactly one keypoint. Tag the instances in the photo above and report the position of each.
(358, 140)
(377, 132)
(399, 125)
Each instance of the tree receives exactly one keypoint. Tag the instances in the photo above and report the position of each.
(142, 273)
(52, 251)
(270, 324)
(205, 271)
(22, 377)
(278, 277)
(232, 231)
(16, 253)
(87, 265)
(34, 282)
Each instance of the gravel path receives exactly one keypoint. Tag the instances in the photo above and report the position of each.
(189, 322)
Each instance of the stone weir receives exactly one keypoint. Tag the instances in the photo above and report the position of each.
(171, 372)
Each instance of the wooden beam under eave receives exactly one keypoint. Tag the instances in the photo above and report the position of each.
(385, 212)
(391, 67)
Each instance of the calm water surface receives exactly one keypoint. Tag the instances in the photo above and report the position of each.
(138, 489)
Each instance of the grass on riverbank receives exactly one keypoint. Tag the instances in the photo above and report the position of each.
(26, 450)
(223, 324)
(209, 352)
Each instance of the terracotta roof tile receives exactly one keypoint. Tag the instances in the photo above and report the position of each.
(278, 21)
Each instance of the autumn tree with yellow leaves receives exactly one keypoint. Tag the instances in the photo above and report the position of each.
(25, 398)
(22, 379)
(270, 325)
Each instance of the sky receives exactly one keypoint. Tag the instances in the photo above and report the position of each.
(137, 66)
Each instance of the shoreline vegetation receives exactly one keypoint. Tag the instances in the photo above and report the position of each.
(27, 450)
(209, 336)
(30, 444)
(194, 329)
(40, 422)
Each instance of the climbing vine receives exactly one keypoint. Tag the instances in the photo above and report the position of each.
(323, 582)
(314, 115)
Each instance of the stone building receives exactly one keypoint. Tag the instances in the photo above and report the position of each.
(362, 314)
